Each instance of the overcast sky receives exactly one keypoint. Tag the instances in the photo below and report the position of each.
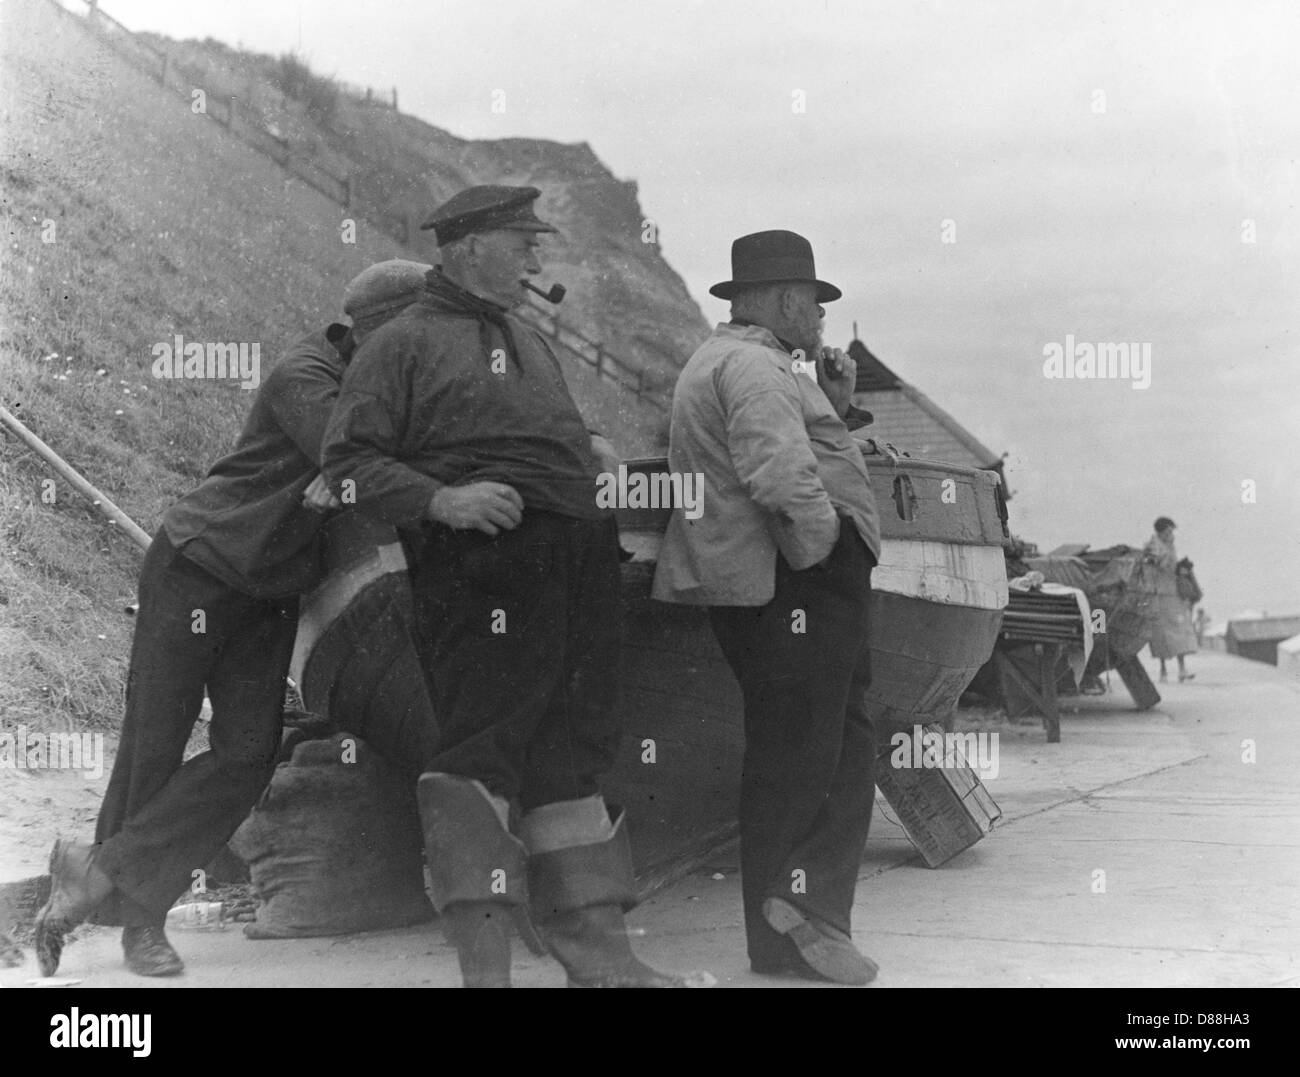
(1100, 167)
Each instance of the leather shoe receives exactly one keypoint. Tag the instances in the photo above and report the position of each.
(828, 953)
(792, 967)
(148, 953)
(77, 887)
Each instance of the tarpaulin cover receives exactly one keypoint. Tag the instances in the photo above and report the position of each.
(1067, 571)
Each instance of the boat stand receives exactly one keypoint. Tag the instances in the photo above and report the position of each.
(1041, 688)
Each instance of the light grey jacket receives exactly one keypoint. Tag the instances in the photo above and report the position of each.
(778, 466)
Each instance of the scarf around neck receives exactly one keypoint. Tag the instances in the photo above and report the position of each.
(445, 294)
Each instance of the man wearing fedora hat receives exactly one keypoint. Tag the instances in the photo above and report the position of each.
(455, 424)
(782, 556)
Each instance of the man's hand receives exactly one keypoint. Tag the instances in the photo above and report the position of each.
(317, 496)
(606, 455)
(836, 374)
(491, 507)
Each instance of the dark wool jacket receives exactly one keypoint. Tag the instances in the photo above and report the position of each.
(246, 523)
(446, 396)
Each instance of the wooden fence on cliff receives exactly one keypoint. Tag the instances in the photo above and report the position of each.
(301, 162)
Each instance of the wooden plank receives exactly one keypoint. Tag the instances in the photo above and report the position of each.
(114, 515)
(1048, 654)
(1134, 676)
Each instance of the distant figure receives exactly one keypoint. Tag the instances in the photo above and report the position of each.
(1189, 591)
(1199, 622)
(1172, 635)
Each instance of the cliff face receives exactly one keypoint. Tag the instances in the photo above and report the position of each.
(621, 291)
(130, 218)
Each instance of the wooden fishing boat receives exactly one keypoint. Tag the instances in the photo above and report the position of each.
(937, 600)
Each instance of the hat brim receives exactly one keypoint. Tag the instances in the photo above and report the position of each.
(516, 226)
(527, 226)
(727, 289)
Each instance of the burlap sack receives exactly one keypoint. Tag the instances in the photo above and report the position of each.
(334, 846)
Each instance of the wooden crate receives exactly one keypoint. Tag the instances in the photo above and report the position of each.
(943, 810)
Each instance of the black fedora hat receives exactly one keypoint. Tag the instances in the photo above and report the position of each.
(772, 258)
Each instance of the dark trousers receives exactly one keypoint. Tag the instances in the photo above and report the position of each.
(521, 636)
(808, 785)
(365, 675)
(162, 819)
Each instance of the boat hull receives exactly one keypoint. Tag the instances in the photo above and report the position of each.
(677, 771)
(923, 655)
(937, 595)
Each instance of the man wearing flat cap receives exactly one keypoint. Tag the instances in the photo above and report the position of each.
(217, 614)
(356, 661)
(782, 556)
(455, 425)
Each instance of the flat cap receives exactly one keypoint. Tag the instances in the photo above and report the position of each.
(485, 209)
(383, 287)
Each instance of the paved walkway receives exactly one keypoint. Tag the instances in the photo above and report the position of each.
(1199, 853)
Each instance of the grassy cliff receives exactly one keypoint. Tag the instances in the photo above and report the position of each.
(128, 219)
(621, 291)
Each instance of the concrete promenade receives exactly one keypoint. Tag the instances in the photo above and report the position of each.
(1141, 851)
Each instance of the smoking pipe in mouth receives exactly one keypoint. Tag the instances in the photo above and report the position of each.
(555, 295)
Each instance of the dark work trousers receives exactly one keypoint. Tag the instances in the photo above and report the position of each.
(808, 785)
(365, 675)
(161, 819)
(521, 636)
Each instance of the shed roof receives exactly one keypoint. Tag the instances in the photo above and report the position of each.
(1257, 629)
(907, 418)
(873, 375)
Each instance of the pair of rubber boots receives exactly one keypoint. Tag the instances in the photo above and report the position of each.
(484, 883)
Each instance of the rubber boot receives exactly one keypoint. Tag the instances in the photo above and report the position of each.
(477, 871)
(478, 931)
(579, 895)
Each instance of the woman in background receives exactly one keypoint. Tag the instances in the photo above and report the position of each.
(1172, 635)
